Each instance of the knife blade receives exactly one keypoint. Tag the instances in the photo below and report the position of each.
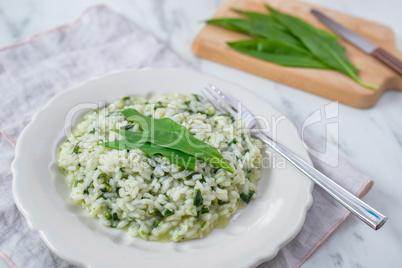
(360, 42)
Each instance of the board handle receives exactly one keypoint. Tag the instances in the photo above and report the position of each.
(388, 59)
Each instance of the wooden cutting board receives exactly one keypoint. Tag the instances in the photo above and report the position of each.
(210, 43)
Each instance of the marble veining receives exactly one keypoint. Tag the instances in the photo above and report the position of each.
(370, 139)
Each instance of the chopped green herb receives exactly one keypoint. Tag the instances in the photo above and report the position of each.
(108, 187)
(204, 210)
(125, 98)
(220, 202)
(102, 176)
(159, 104)
(156, 223)
(246, 198)
(154, 212)
(197, 198)
(92, 131)
(127, 127)
(108, 215)
(115, 217)
(168, 212)
(203, 224)
(234, 141)
(189, 176)
(196, 97)
(76, 148)
(187, 103)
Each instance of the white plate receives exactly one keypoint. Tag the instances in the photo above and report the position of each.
(255, 234)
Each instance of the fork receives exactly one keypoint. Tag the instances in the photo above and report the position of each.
(363, 211)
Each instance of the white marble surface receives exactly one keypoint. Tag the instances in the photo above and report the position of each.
(370, 139)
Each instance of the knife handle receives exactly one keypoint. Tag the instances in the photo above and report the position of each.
(388, 59)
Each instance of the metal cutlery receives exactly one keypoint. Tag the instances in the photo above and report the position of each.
(363, 211)
(360, 42)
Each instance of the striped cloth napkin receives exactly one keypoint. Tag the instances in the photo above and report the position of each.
(101, 41)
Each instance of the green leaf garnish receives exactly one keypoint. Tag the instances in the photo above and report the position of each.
(167, 133)
(176, 157)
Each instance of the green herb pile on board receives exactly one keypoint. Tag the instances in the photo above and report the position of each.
(289, 41)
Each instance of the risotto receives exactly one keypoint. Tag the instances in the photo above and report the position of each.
(147, 195)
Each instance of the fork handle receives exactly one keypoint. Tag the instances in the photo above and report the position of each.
(367, 214)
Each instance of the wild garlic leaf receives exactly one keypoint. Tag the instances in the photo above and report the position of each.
(268, 18)
(166, 132)
(322, 47)
(150, 124)
(176, 157)
(257, 28)
(328, 50)
(181, 141)
(278, 52)
(331, 38)
(260, 17)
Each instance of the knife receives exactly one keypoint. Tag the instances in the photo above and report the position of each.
(360, 42)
